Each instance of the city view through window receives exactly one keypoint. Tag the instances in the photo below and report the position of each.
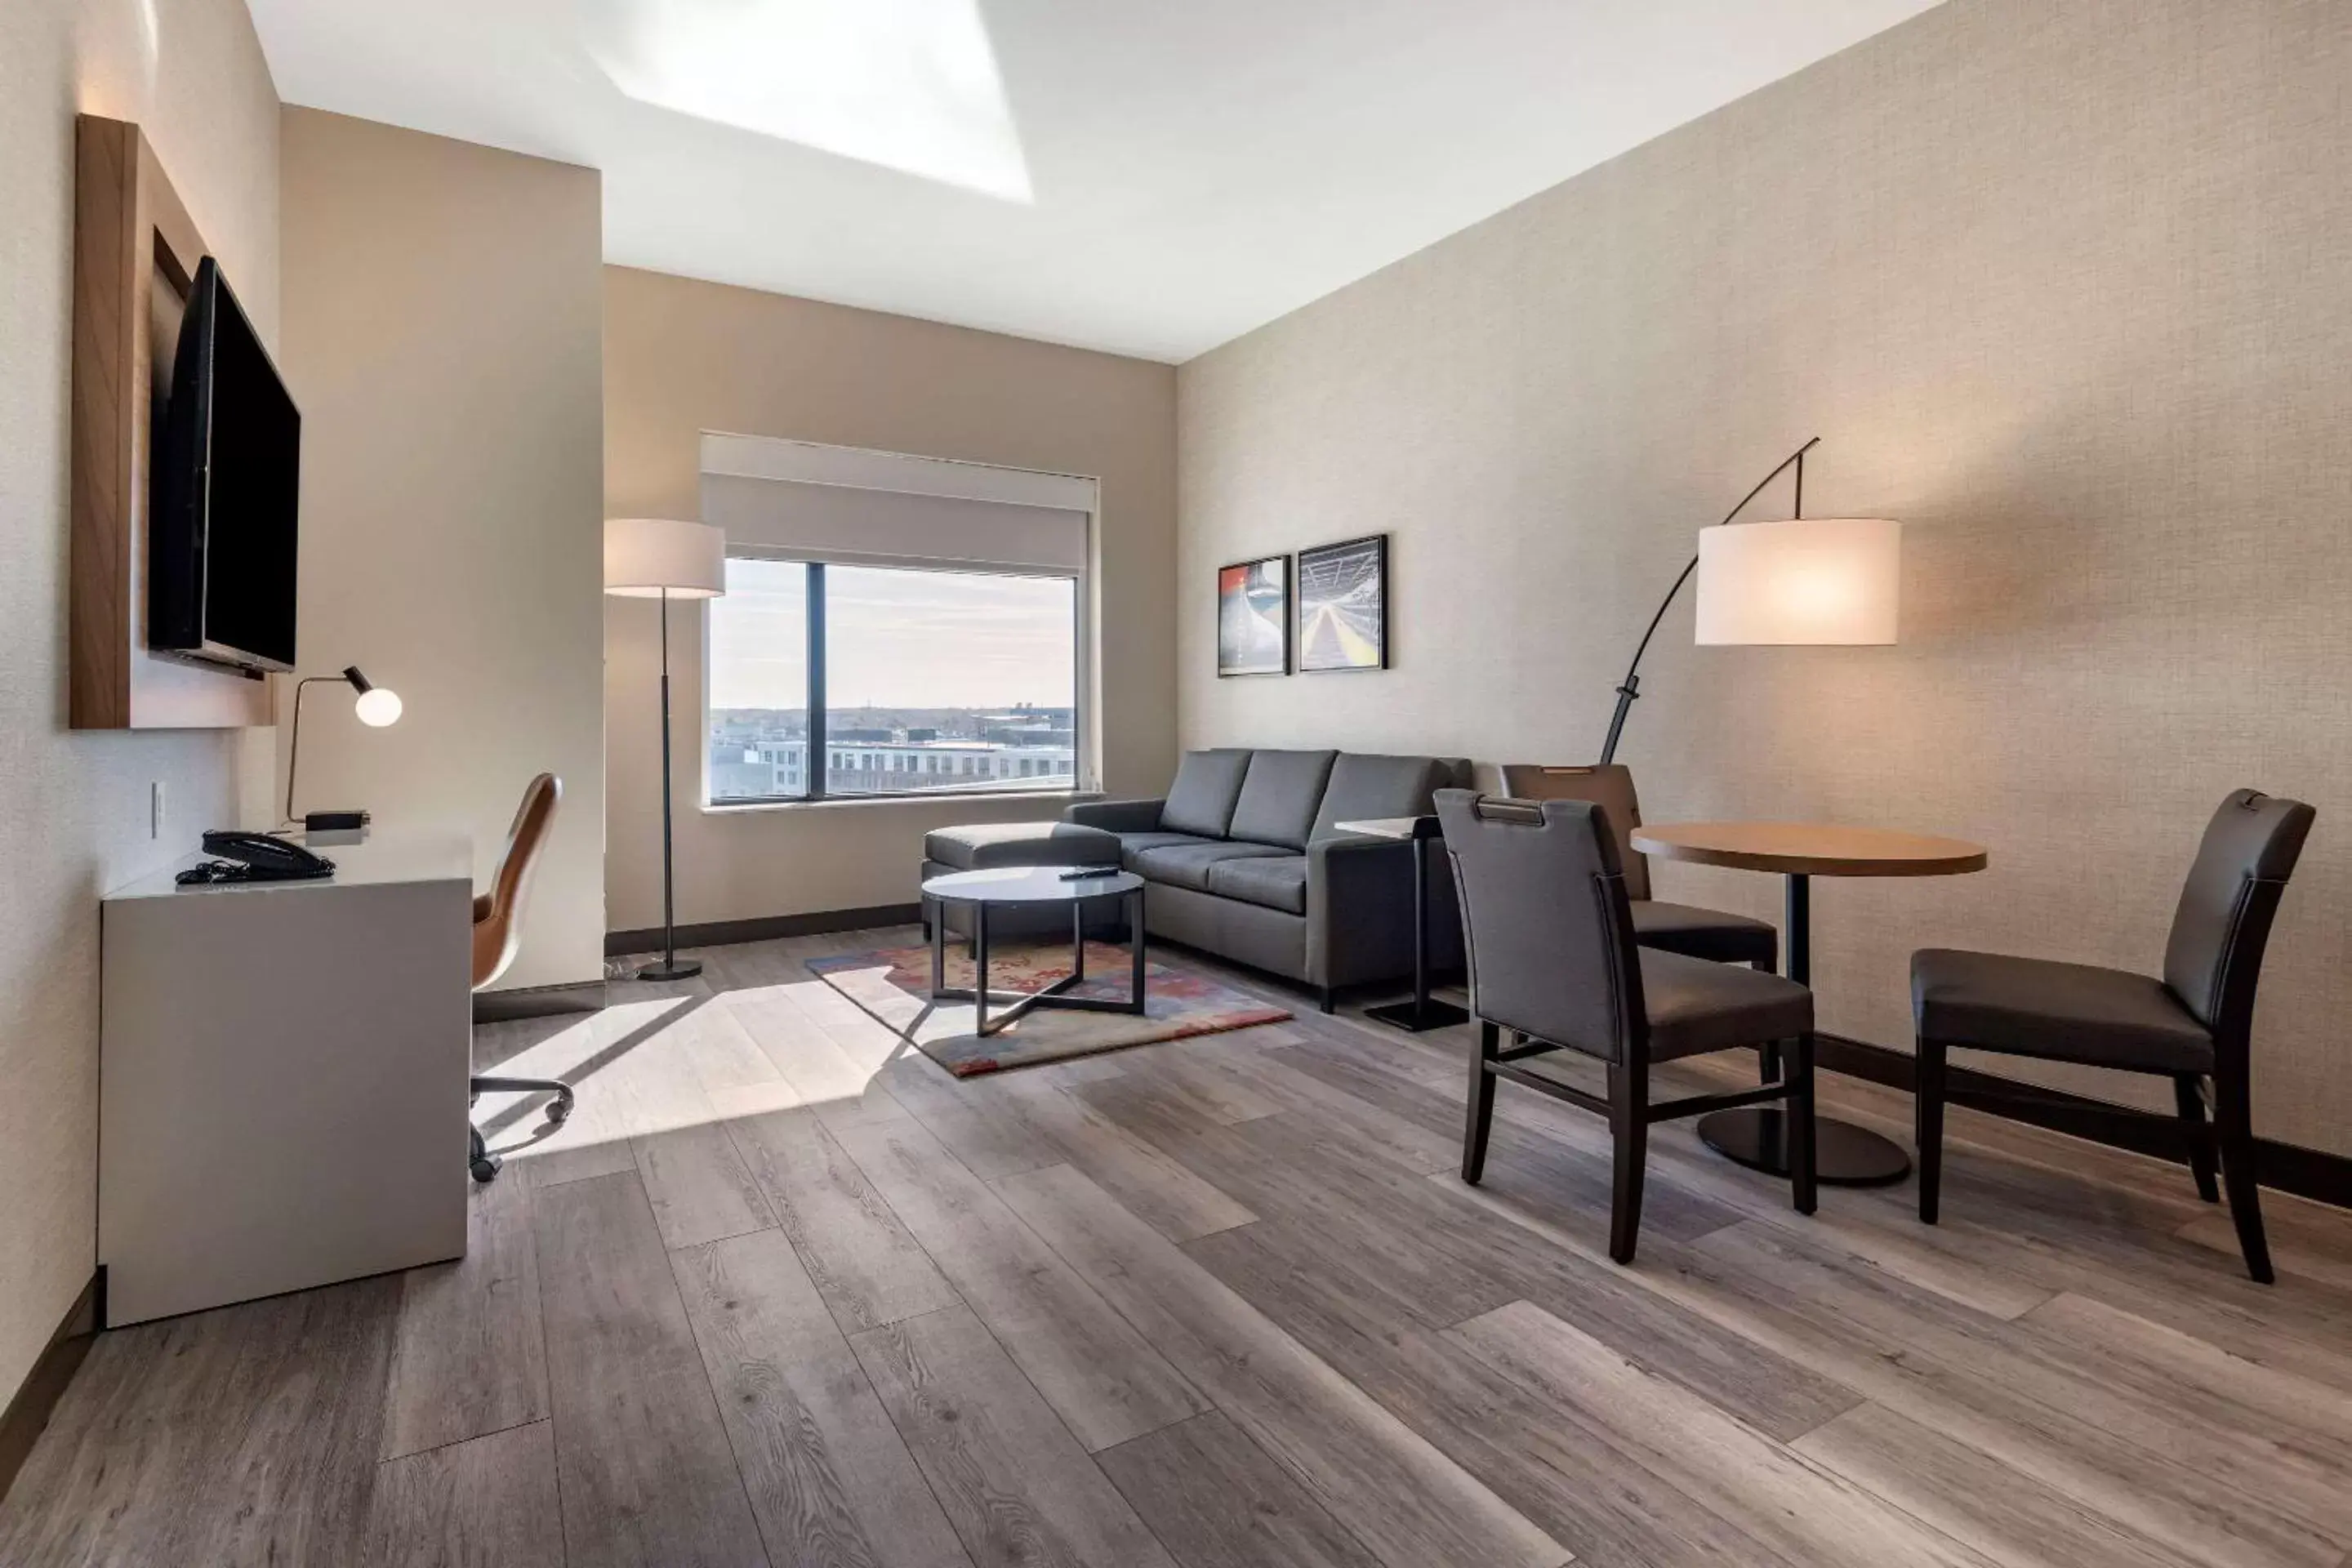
(935, 682)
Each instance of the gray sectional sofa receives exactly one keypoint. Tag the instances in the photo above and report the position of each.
(1245, 860)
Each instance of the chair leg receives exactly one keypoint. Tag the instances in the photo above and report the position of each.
(2188, 1094)
(1482, 1104)
(1629, 1128)
(2233, 1116)
(1928, 1110)
(1325, 997)
(1802, 1180)
(558, 1109)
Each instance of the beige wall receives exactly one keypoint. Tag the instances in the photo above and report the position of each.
(443, 323)
(683, 357)
(2067, 289)
(74, 807)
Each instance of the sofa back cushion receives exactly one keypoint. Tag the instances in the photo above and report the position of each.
(1202, 799)
(1364, 786)
(1279, 796)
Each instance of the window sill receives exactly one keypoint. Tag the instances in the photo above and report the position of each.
(909, 797)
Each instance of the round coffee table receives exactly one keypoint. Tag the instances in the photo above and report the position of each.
(1757, 1136)
(1030, 886)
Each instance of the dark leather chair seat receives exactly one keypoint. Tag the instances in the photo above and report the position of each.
(1699, 1005)
(1705, 933)
(2064, 1012)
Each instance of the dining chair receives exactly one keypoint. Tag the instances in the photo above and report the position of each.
(1554, 962)
(2193, 1025)
(498, 937)
(1674, 928)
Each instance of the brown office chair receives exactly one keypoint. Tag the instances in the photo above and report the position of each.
(1553, 960)
(498, 937)
(2193, 1024)
(1670, 927)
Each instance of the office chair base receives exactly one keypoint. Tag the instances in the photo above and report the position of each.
(482, 1163)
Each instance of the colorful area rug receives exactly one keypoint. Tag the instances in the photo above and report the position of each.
(895, 983)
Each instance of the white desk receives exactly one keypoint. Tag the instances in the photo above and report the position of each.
(282, 1092)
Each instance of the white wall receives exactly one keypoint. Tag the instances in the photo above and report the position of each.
(74, 807)
(443, 331)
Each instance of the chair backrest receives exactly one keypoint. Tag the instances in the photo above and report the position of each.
(497, 915)
(1609, 786)
(1549, 931)
(2222, 923)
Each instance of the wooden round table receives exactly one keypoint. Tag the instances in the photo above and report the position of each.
(1756, 1136)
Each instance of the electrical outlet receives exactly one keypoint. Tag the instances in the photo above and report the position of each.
(159, 810)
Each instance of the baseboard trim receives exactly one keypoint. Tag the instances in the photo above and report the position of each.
(538, 1001)
(763, 928)
(2285, 1167)
(28, 1412)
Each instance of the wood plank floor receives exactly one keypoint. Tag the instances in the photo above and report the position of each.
(785, 1293)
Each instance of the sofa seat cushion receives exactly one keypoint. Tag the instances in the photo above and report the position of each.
(1363, 787)
(1704, 933)
(1187, 865)
(1697, 1006)
(1131, 845)
(1279, 796)
(2062, 1012)
(1202, 799)
(1274, 881)
(986, 844)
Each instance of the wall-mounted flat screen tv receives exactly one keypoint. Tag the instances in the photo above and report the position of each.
(221, 543)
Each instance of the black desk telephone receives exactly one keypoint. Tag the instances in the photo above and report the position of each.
(255, 857)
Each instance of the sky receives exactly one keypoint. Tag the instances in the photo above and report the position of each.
(894, 639)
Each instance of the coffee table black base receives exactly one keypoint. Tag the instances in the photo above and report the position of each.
(1845, 1155)
(1417, 1017)
(1018, 1004)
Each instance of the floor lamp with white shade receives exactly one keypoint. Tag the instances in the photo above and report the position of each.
(665, 559)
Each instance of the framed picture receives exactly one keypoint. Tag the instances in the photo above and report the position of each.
(1254, 617)
(1343, 605)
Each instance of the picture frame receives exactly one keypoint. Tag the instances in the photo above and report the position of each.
(1254, 617)
(1341, 590)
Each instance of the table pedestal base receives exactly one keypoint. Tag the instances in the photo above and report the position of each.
(1845, 1155)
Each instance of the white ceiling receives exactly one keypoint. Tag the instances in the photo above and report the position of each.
(1152, 177)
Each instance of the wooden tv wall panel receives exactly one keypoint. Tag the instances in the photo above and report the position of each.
(135, 255)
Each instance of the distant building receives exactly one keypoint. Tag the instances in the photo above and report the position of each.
(858, 762)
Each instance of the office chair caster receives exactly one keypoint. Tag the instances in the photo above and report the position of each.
(559, 1109)
(482, 1163)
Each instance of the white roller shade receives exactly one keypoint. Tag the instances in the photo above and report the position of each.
(796, 501)
(795, 522)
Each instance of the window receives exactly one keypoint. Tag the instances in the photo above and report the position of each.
(905, 679)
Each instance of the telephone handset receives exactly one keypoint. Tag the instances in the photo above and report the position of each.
(255, 857)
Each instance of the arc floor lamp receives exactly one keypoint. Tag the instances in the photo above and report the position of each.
(1805, 580)
(665, 559)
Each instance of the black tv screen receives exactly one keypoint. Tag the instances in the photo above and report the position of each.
(227, 485)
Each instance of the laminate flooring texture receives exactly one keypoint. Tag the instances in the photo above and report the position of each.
(785, 1293)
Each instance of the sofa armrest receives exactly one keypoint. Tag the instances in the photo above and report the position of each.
(1360, 909)
(1115, 816)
